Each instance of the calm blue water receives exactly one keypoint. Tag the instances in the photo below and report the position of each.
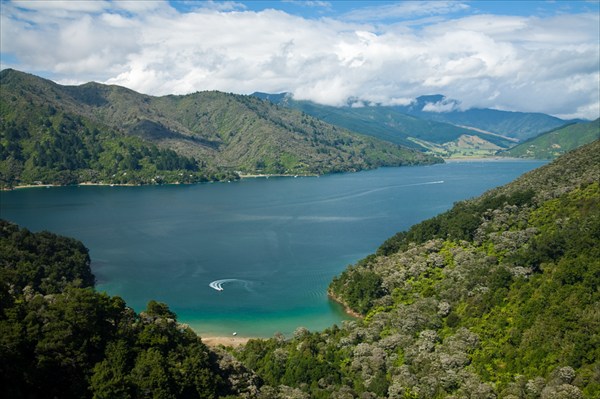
(276, 242)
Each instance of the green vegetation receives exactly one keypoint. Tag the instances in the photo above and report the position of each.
(51, 147)
(60, 338)
(453, 133)
(108, 134)
(517, 125)
(394, 124)
(556, 142)
(465, 146)
(496, 298)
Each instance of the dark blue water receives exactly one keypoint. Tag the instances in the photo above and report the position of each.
(276, 242)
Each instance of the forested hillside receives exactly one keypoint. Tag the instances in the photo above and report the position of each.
(51, 133)
(518, 125)
(498, 297)
(436, 124)
(554, 143)
(46, 138)
(59, 338)
(396, 125)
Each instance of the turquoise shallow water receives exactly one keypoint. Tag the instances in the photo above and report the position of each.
(275, 243)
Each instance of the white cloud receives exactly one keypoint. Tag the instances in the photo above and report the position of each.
(445, 105)
(516, 63)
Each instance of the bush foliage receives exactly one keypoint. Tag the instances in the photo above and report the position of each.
(496, 298)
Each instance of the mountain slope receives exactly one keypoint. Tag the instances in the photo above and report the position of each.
(556, 142)
(387, 123)
(432, 119)
(496, 298)
(214, 133)
(517, 125)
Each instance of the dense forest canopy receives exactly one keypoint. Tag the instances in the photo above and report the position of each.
(496, 298)
(59, 338)
(517, 270)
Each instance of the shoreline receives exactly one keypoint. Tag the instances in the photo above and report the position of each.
(485, 159)
(23, 186)
(88, 184)
(254, 176)
(231, 341)
(347, 309)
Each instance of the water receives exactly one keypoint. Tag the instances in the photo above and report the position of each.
(254, 256)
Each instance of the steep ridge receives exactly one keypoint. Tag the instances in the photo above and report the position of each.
(517, 125)
(556, 142)
(215, 134)
(433, 122)
(388, 123)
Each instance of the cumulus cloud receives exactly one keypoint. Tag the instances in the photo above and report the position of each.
(520, 63)
(445, 105)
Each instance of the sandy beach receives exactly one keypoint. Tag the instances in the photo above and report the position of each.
(225, 341)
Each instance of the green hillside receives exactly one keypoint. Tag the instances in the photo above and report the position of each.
(496, 298)
(67, 134)
(517, 125)
(391, 124)
(556, 142)
(473, 132)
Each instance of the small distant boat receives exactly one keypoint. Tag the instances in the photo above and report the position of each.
(234, 333)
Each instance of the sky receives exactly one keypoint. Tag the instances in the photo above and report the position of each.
(530, 56)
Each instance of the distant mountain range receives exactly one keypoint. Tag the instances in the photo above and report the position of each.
(98, 133)
(556, 142)
(431, 123)
(55, 134)
(517, 125)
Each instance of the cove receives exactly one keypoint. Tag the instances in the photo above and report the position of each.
(253, 256)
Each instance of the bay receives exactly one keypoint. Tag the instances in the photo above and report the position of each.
(253, 256)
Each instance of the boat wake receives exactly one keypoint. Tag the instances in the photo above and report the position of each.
(368, 192)
(218, 284)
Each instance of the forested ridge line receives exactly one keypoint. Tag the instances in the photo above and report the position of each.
(55, 134)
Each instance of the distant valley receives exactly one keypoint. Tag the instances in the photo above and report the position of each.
(452, 133)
